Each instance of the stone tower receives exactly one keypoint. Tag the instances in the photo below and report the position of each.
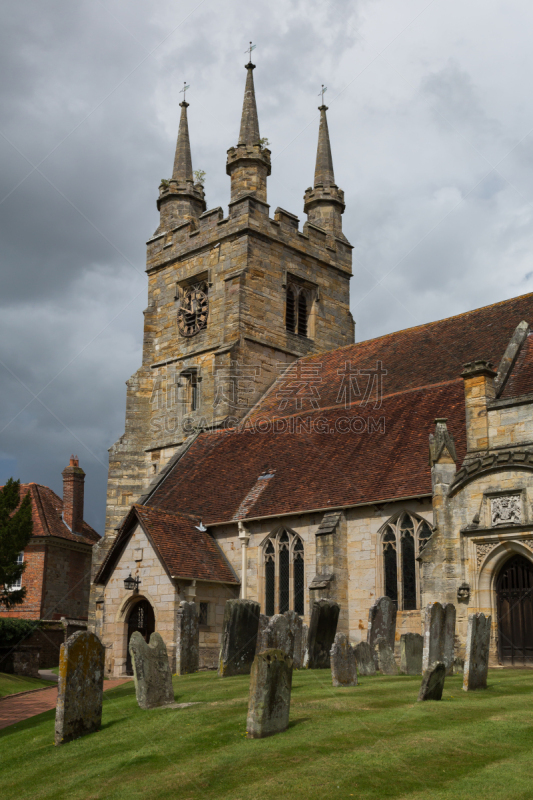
(231, 301)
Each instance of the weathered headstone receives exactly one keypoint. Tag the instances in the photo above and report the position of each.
(364, 656)
(439, 635)
(433, 682)
(270, 694)
(281, 633)
(343, 663)
(305, 643)
(187, 639)
(382, 622)
(386, 661)
(300, 639)
(411, 647)
(80, 687)
(239, 637)
(262, 642)
(477, 652)
(151, 671)
(322, 630)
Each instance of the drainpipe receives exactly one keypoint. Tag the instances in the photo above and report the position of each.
(244, 537)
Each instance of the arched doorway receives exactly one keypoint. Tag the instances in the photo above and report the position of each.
(514, 592)
(141, 618)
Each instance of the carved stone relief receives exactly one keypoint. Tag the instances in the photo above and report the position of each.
(483, 550)
(506, 509)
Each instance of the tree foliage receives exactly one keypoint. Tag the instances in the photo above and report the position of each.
(16, 526)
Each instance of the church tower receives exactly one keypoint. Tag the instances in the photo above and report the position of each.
(232, 300)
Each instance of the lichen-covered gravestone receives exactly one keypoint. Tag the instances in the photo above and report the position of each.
(343, 663)
(433, 682)
(187, 639)
(386, 661)
(304, 653)
(80, 687)
(151, 671)
(477, 653)
(270, 694)
(262, 642)
(300, 640)
(382, 622)
(281, 633)
(411, 647)
(239, 637)
(365, 659)
(322, 630)
(439, 635)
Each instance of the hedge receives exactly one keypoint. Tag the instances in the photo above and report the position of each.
(13, 631)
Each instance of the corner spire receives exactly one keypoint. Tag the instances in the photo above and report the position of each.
(182, 161)
(249, 133)
(324, 163)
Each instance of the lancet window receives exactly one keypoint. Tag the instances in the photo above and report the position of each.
(403, 539)
(299, 301)
(284, 573)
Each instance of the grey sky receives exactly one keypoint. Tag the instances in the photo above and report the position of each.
(431, 120)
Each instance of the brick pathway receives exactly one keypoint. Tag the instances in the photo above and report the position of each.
(18, 708)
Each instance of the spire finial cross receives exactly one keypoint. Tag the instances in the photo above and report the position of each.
(322, 92)
(249, 50)
(184, 90)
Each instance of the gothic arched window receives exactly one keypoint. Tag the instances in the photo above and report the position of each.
(298, 307)
(403, 539)
(290, 311)
(284, 573)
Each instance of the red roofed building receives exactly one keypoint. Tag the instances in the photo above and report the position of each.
(58, 558)
(269, 456)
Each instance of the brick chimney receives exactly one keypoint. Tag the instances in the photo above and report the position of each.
(73, 488)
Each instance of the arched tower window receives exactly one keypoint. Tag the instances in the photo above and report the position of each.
(284, 573)
(302, 315)
(290, 311)
(404, 537)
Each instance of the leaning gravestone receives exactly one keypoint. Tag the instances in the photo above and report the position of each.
(239, 637)
(386, 661)
(343, 663)
(281, 632)
(80, 687)
(439, 635)
(411, 647)
(382, 622)
(433, 682)
(187, 639)
(151, 671)
(322, 630)
(477, 653)
(365, 659)
(270, 694)
(262, 643)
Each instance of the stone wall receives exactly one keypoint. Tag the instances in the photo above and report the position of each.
(67, 580)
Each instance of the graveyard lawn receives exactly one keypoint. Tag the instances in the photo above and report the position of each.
(12, 684)
(370, 741)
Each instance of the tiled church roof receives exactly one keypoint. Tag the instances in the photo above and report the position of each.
(320, 469)
(186, 551)
(47, 514)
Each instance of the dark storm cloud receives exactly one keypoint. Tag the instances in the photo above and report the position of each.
(429, 120)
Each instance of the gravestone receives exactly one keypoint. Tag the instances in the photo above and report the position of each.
(151, 671)
(386, 661)
(80, 687)
(477, 653)
(270, 694)
(433, 682)
(439, 635)
(187, 639)
(262, 643)
(382, 622)
(411, 647)
(343, 663)
(304, 653)
(364, 656)
(281, 633)
(300, 639)
(322, 630)
(239, 637)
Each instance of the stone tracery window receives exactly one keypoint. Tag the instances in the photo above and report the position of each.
(298, 303)
(402, 540)
(284, 573)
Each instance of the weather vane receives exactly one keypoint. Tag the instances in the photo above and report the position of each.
(321, 92)
(185, 87)
(249, 50)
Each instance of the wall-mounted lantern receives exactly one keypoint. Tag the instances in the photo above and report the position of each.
(131, 583)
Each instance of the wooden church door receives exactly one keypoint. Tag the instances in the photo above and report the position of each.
(514, 590)
(141, 619)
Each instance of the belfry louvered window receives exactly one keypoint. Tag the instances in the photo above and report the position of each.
(284, 573)
(402, 540)
(297, 308)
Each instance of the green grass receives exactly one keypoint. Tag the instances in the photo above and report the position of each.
(11, 684)
(371, 741)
